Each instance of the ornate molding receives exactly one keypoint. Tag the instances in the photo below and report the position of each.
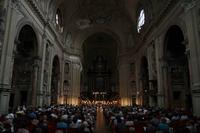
(142, 38)
(45, 21)
(15, 5)
(98, 12)
(189, 4)
(196, 91)
(36, 10)
(2, 25)
(5, 87)
(196, 87)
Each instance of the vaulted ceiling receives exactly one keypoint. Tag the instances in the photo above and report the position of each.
(119, 16)
(82, 18)
(100, 45)
(87, 13)
(94, 8)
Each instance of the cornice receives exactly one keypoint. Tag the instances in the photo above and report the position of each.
(36, 10)
(44, 21)
(167, 8)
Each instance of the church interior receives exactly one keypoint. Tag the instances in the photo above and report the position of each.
(100, 52)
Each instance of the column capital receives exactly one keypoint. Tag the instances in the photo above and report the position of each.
(78, 66)
(44, 36)
(36, 61)
(15, 4)
(5, 87)
(75, 60)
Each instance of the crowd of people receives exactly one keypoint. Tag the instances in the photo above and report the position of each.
(82, 119)
(138, 119)
(51, 119)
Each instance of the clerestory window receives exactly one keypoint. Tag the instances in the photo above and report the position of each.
(141, 20)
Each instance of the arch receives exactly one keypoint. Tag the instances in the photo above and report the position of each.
(180, 24)
(174, 36)
(177, 81)
(100, 71)
(25, 22)
(103, 35)
(79, 41)
(24, 77)
(25, 36)
(55, 80)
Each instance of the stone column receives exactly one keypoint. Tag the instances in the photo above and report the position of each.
(150, 74)
(159, 64)
(138, 83)
(150, 52)
(62, 96)
(7, 28)
(166, 84)
(50, 73)
(4, 98)
(191, 16)
(2, 24)
(76, 69)
(41, 91)
(35, 82)
(124, 69)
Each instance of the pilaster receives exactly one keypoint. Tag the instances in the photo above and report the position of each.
(159, 67)
(76, 69)
(138, 83)
(34, 94)
(152, 74)
(191, 20)
(41, 91)
(49, 69)
(2, 25)
(124, 69)
(7, 34)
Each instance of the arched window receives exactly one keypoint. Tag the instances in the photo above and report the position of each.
(58, 17)
(141, 20)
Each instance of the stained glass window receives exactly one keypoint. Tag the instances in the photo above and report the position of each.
(141, 20)
(58, 17)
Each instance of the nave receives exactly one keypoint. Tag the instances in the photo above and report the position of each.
(101, 125)
(59, 57)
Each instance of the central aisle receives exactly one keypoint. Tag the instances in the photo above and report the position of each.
(100, 122)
